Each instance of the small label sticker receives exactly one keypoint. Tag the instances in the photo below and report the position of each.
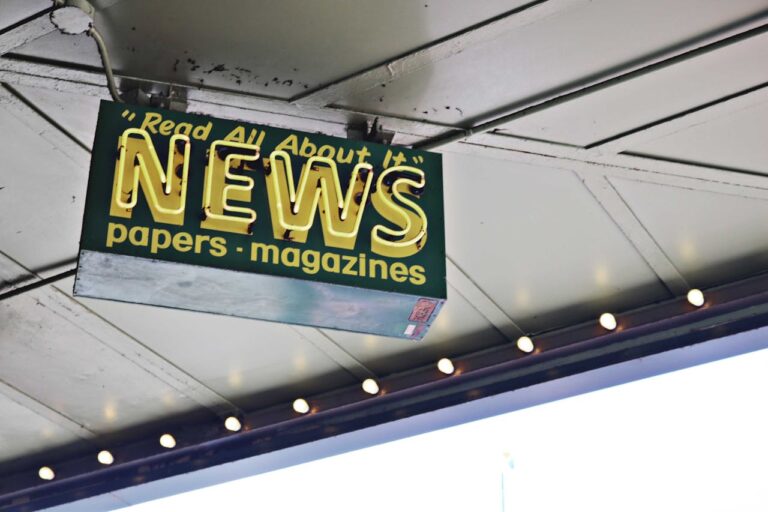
(422, 310)
(409, 330)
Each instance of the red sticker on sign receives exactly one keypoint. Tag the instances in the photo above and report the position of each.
(423, 310)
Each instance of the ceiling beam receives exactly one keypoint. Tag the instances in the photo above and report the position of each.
(638, 168)
(124, 344)
(10, 269)
(633, 229)
(135, 352)
(715, 40)
(441, 49)
(59, 139)
(45, 411)
(26, 31)
(698, 115)
(483, 304)
(334, 121)
(55, 77)
(325, 343)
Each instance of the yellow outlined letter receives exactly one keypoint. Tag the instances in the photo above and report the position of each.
(217, 192)
(293, 211)
(412, 235)
(139, 166)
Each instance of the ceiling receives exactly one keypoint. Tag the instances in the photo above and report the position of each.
(625, 164)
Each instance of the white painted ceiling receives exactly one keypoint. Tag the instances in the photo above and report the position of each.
(541, 233)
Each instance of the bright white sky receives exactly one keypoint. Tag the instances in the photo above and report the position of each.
(690, 440)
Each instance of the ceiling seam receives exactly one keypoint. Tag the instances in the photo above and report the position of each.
(436, 51)
(140, 355)
(481, 301)
(700, 114)
(45, 411)
(335, 352)
(150, 361)
(617, 209)
(41, 113)
(60, 140)
(626, 165)
(513, 146)
(26, 31)
(598, 82)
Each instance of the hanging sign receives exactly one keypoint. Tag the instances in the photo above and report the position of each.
(221, 216)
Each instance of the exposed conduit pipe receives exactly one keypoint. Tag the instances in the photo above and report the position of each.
(106, 63)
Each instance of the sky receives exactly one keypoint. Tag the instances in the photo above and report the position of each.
(694, 439)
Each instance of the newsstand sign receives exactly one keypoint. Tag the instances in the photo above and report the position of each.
(197, 213)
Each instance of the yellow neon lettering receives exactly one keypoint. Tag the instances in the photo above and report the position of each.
(293, 210)
(411, 221)
(218, 193)
(138, 166)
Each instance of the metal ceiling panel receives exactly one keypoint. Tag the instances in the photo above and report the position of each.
(735, 141)
(26, 425)
(539, 245)
(651, 97)
(460, 328)
(711, 238)
(258, 362)
(13, 11)
(23, 431)
(56, 355)
(74, 112)
(562, 49)
(42, 193)
(276, 48)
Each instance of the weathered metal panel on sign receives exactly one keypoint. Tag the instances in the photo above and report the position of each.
(228, 217)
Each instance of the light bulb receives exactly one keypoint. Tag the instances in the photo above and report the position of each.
(445, 365)
(370, 386)
(46, 473)
(608, 321)
(105, 457)
(300, 406)
(233, 424)
(167, 441)
(525, 344)
(696, 297)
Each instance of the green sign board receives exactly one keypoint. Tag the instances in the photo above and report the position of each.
(228, 217)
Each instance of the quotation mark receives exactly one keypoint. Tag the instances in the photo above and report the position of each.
(418, 159)
(129, 115)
